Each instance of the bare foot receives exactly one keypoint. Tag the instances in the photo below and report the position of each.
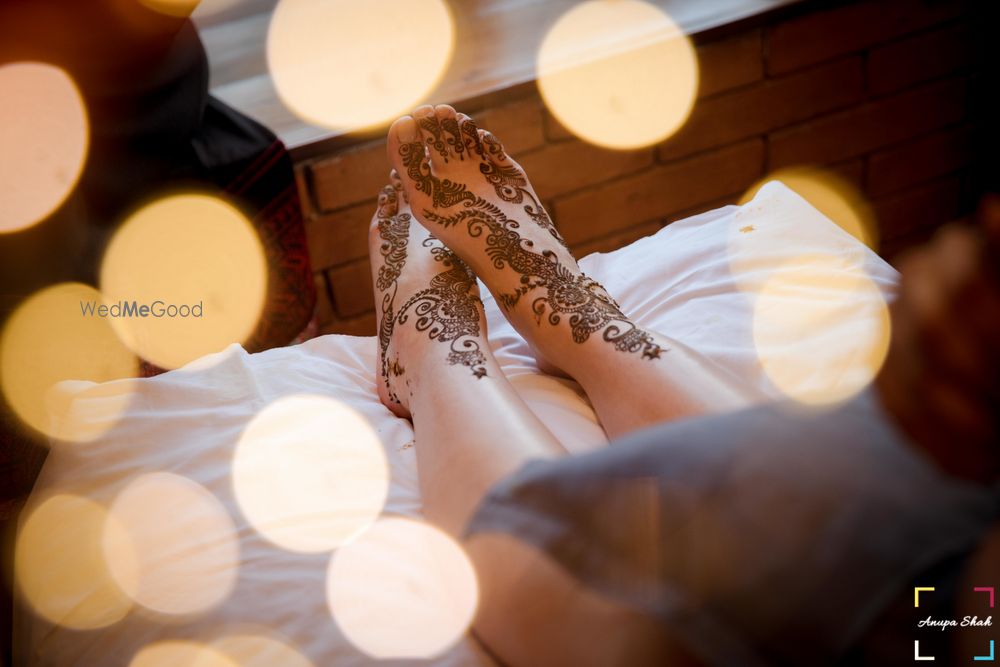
(425, 296)
(469, 193)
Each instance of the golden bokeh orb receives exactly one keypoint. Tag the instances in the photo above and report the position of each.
(348, 65)
(45, 134)
(821, 328)
(54, 336)
(175, 8)
(402, 589)
(310, 473)
(188, 276)
(832, 195)
(59, 564)
(174, 549)
(181, 653)
(252, 650)
(618, 73)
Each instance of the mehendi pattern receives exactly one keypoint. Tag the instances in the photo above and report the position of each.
(447, 310)
(563, 292)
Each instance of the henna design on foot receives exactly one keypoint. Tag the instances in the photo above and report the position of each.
(584, 302)
(447, 309)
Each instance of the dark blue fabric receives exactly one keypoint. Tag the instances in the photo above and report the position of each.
(775, 535)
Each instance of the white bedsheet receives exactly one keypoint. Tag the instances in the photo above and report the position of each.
(689, 281)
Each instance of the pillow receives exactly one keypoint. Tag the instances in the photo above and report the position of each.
(694, 281)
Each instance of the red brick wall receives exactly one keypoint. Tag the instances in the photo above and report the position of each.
(878, 90)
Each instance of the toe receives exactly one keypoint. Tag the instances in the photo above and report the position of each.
(405, 150)
(492, 147)
(433, 135)
(386, 208)
(388, 201)
(397, 184)
(470, 135)
(404, 131)
(447, 118)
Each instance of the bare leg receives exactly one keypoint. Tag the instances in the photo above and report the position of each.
(437, 369)
(468, 192)
(472, 429)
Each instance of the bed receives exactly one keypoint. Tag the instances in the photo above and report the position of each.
(243, 596)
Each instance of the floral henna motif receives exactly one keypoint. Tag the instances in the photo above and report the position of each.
(446, 310)
(586, 305)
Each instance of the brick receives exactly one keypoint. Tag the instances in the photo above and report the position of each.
(730, 63)
(921, 58)
(723, 65)
(633, 234)
(518, 125)
(561, 168)
(658, 192)
(350, 177)
(752, 111)
(920, 160)
(731, 198)
(616, 241)
(554, 130)
(853, 171)
(351, 286)
(927, 206)
(824, 35)
(304, 190)
(323, 314)
(363, 325)
(870, 126)
(340, 237)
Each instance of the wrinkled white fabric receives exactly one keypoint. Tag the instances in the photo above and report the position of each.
(689, 282)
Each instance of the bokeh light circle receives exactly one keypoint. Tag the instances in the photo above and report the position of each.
(799, 330)
(402, 589)
(181, 653)
(60, 568)
(618, 73)
(250, 650)
(175, 8)
(45, 135)
(830, 194)
(50, 338)
(195, 254)
(310, 473)
(175, 549)
(349, 65)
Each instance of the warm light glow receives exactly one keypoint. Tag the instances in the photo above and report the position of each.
(176, 552)
(59, 566)
(348, 65)
(309, 473)
(618, 73)
(830, 194)
(49, 339)
(176, 8)
(181, 654)
(44, 134)
(402, 590)
(195, 253)
(258, 651)
(800, 334)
